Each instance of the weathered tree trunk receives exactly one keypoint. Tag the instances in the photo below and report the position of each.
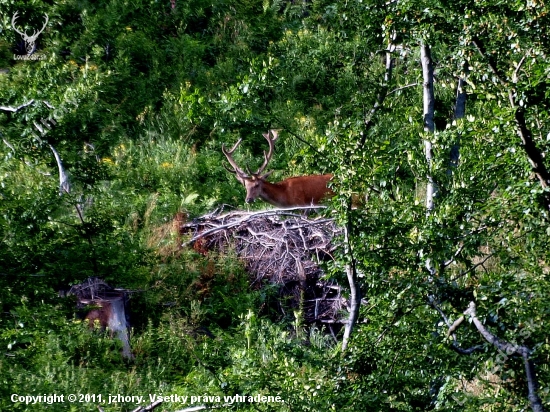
(64, 186)
(429, 125)
(354, 289)
(111, 314)
(534, 155)
(351, 268)
(117, 323)
(459, 113)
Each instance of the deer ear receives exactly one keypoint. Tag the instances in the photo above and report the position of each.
(266, 175)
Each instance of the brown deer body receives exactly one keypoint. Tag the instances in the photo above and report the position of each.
(294, 191)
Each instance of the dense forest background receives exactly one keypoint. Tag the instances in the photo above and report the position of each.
(437, 111)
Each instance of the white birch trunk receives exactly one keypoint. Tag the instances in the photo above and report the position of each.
(354, 291)
(429, 126)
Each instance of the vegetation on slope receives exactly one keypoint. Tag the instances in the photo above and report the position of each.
(137, 98)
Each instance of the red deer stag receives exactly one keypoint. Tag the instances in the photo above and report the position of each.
(294, 191)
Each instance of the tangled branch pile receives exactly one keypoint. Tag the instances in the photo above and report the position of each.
(281, 247)
(95, 289)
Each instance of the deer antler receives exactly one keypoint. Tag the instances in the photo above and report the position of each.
(35, 34)
(236, 169)
(271, 142)
(13, 19)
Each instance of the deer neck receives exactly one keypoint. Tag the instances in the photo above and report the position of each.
(274, 194)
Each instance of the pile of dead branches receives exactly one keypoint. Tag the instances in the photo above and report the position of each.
(280, 247)
(95, 289)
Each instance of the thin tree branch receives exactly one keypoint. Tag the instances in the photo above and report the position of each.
(510, 349)
(534, 154)
(492, 65)
(297, 137)
(383, 93)
(455, 325)
(452, 328)
(473, 267)
(402, 87)
(501, 345)
(8, 144)
(459, 113)
(433, 303)
(16, 109)
(469, 351)
(520, 64)
(450, 261)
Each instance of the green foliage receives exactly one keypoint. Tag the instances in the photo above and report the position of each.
(138, 97)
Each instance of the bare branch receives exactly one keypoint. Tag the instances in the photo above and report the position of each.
(16, 109)
(150, 407)
(8, 144)
(355, 290)
(450, 261)
(518, 67)
(501, 345)
(48, 104)
(455, 325)
(452, 328)
(510, 349)
(402, 87)
(473, 267)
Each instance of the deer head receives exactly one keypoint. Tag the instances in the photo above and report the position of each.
(252, 182)
(30, 41)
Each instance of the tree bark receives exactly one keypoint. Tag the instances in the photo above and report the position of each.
(354, 288)
(459, 113)
(534, 154)
(511, 349)
(429, 125)
(351, 267)
(64, 186)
